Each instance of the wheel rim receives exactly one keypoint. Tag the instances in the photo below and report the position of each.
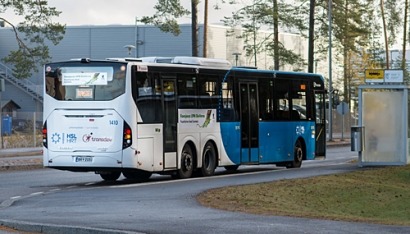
(187, 163)
(298, 154)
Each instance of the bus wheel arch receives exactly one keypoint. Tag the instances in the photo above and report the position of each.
(299, 154)
(209, 159)
(187, 161)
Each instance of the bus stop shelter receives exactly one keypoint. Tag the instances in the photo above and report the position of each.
(382, 134)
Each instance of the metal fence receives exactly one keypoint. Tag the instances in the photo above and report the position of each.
(25, 129)
(22, 130)
(341, 125)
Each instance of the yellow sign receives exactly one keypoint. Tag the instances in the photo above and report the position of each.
(374, 73)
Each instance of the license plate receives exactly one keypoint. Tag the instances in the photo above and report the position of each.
(81, 159)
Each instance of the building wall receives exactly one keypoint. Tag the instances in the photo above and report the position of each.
(101, 42)
(217, 43)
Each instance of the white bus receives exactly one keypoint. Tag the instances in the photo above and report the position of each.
(178, 116)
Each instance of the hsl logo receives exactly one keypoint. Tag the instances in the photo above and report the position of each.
(300, 130)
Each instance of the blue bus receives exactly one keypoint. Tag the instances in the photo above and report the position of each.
(178, 116)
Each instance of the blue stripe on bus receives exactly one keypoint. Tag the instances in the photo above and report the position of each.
(276, 140)
(231, 139)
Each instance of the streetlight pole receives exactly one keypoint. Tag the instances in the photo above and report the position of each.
(330, 73)
(236, 57)
(136, 36)
(129, 48)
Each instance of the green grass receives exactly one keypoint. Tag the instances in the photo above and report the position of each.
(377, 195)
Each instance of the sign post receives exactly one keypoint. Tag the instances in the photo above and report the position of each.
(342, 109)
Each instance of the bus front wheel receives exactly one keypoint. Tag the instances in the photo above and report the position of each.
(187, 163)
(297, 156)
(110, 176)
(208, 160)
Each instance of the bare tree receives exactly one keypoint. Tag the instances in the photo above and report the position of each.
(31, 34)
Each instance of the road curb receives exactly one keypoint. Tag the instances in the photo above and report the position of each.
(58, 229)
(338, 145)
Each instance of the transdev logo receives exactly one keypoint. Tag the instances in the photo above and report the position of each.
(89, 138)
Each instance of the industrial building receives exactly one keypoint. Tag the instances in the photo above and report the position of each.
(111, 41)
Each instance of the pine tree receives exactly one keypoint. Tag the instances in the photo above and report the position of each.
(269, 15)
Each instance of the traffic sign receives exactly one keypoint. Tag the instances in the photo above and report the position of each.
(374, 75)
(393, 76)
(342, 108)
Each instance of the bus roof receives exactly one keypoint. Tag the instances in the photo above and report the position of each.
(211, 63)
(279, 73)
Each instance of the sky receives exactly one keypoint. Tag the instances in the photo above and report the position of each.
(121, 12)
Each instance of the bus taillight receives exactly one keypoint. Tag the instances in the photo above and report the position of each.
(127, 137)
(44, 131)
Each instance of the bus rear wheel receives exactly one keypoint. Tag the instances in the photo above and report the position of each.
(187, 163)
(111, 175)
(298, 153)
(208, 160)
(137, 175)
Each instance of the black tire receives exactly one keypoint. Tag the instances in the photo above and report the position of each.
(137, 175)
(111, 176)
(187, 163)
(231, 168)
(208, 160)
(298, 154)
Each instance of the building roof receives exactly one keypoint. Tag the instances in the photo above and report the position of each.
(9, 102)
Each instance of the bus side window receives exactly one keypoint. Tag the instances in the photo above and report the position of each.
(281, 100)
(208, 91)
(266, 108)
(227, 111)
(299, 100)
(187, 91)
(148, 101)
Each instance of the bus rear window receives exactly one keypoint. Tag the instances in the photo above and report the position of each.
(96, 81)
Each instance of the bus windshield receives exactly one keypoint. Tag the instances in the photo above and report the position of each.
(76, 81)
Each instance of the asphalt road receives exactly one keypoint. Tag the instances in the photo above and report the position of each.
(51, 201)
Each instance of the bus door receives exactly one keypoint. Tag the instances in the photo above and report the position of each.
(249, 122)
(320, 130)
(170, 122)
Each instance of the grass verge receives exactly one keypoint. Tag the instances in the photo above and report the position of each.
(376, 195)
(22, 140)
